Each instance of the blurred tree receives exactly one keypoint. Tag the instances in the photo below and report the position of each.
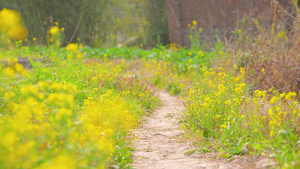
(156, 14)
(95, 22)
(40, 15)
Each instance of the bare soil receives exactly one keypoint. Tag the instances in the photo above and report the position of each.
(160, 145)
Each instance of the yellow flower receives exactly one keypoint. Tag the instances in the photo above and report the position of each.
(51, 97)
(56, 87)
(10, 23)
(274, 99)
(63, 161)
(31, 101)
(69, 99)
(8, 19)
(25, 73)
(79, 55)
(290, 95)
(18, 32)
(270, 112)
(9, 95)
(69, 56)
(63, 112)
(105, 145)
(94, 78)
(242, 70)
(12, 61)
(19, 67)
(194, 22)
(9, 139)
(54, 30)
(73, 47)
(282, 95)
(9, 72)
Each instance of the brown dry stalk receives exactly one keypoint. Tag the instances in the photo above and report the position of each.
(75, 29)
(276, 10)
(279, 12)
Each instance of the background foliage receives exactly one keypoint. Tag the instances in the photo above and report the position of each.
(100, 22)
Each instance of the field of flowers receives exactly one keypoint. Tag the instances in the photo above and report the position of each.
(73, 106)
(65, 111)
(223, 114)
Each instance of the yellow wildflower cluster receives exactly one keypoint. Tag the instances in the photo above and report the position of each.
(13, 68)
(54, 30)
(284, 111)
(73, 48)
(174, 47)
(32, 106)
(109, 112)
(41, 130)
(165, 74)
(11, 24)
(220, 107)
(215, 99)
(31, 126)
(55, 35)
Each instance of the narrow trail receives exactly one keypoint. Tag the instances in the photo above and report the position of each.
(158, 144)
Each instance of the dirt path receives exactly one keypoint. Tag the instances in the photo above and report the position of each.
(159, 145)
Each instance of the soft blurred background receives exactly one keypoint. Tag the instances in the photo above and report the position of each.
(115, 23)
(248, 29)
(95, 22)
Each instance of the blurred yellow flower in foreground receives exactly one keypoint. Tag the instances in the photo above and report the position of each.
(9, 72)
(9, 95)
(18, 32)
(11, 24)
(9, 18)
